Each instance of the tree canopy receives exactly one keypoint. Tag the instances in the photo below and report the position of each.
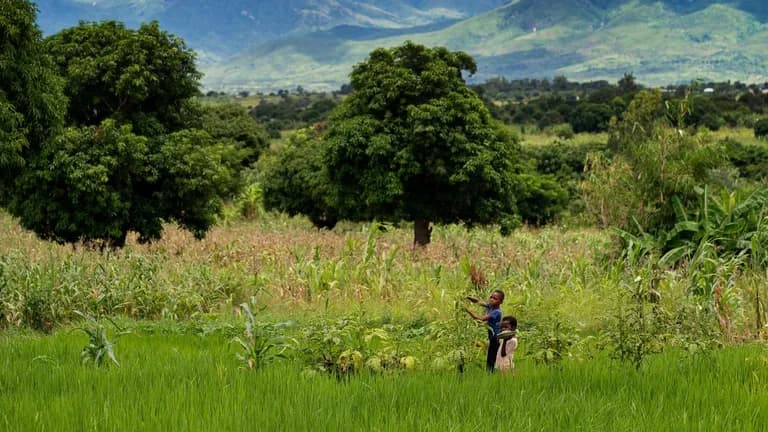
(135, 154)
(296, 181)
(31, 99)
(142, 76)
(233, 122)
(413, 142)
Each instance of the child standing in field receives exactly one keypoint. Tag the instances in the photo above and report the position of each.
(505, 357)
(492, 317)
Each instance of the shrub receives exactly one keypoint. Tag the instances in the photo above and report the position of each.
(563, 131)
(761, 128)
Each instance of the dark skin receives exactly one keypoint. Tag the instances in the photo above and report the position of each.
(493, 301)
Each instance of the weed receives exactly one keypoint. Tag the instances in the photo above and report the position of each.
(99, 347)
(259, 347)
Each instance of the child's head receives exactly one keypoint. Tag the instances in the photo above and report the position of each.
(509, 323)
(496, 298)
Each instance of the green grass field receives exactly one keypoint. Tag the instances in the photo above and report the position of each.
(191, 382)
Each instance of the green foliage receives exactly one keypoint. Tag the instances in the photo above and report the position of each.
(97, 183)
(335, 348)
(100, 348)
(84, 184)
(636, 328)
(259, 346)
(751, 160)
(290, 112)
(761, 128)
(563, 131)
(412, 142)
(103, 177)
(550, 343)
(591, 117)
(656, 160)
(31, 99)
(730, 224)
(194, 173)
(250, 202)
(540, 198)
(232, 122)
(295, 179)
(704, 112)
(141, 77)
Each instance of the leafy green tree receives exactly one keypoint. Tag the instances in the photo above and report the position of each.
(31, 99)
(295, 180)
(95, 184)
(413, 142)
(627, 84)
(78, 185)
(590, 117)
(195, 172)
(142, 77)
(99, 180)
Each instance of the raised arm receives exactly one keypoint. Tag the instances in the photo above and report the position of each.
(477, 301)
(478, 317)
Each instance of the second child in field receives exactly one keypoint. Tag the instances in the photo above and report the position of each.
(505, 357)
(492, 317)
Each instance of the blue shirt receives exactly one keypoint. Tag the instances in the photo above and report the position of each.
(494, 322)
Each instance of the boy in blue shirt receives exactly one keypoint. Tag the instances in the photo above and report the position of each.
(492, 317)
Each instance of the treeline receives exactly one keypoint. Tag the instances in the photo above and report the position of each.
(543, 104)
(589, 107)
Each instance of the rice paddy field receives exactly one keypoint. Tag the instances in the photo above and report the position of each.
(353, 330)
(187, 382)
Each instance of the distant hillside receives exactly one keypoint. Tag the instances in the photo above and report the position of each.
(271, 44)
(218, 28)
(659, 41)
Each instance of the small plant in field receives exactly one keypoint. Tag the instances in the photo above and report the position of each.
(551, 343)
(635, 330)
(258, 346)
(335, 347)
(100, 347)
(250, 202)
(697, 331)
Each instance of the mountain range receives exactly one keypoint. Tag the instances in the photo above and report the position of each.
(270, 44)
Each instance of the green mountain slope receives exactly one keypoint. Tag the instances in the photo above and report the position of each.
(659, 41)
(217, 28)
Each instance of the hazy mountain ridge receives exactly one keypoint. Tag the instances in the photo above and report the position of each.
(659, 41)
(222, 27)
(314, 43)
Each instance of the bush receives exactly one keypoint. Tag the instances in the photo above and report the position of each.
(540, 199)
(563, 131)
(750, 160)
(590, 117)
(761, 128)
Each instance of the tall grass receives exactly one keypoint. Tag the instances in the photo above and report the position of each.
(186, 382)
(293, 269)
(287, 265)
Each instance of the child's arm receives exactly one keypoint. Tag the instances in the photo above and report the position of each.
(485, 317)
(477, 301)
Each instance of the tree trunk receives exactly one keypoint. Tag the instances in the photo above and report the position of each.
(422, 233)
